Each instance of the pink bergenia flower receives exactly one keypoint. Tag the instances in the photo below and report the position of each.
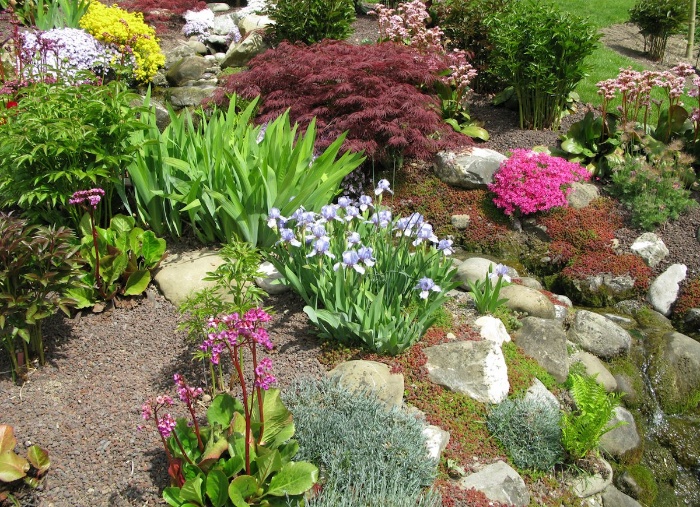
(89, 197)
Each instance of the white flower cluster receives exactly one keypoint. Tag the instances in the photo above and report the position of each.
(198, 22)
(253, 7)
(66, 50)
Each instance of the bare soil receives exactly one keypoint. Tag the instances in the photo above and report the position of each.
(84, 405)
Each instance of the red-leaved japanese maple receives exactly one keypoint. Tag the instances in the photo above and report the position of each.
(380, 94)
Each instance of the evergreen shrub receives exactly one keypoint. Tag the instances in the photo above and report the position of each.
(311, 21)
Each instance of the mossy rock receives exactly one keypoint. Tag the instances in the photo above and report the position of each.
(595, 291)
(661, 462)
(629, 376)
(638, 481)
(674, 374)
(680, 435)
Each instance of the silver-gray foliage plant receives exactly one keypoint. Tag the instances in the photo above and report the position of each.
(369, 455)
(530, 431)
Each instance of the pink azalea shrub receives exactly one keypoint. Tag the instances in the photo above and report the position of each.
(529, 181)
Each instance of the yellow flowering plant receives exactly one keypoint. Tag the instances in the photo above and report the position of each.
(129, 33)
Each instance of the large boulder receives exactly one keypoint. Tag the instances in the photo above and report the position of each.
(675, 372)
(371, 376)
(241, 53)
(650, 248)
(187, 71)
(476, 269)
(601, 289)
(188, 95)
(526, 300)
(613, 497)
(599, 335)
(596, 367)
(469, 169)
(581, 194)
(545, 341)
(623, 440)
(663, 291)
(182, 274)
(477, 369)
(492, 329)
(500, 483)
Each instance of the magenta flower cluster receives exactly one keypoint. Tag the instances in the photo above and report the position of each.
(529, 181)
(91, 197)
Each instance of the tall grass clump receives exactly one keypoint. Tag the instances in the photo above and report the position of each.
(540, 52)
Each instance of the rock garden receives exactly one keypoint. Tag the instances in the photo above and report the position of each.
(339, 254)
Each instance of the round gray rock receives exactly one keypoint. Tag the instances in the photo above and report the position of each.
(371, 376)
(598, 335)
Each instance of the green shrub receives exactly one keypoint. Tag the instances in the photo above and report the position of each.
(63, 138)
(657, 21)
(530, 432)
(311, 21)
(653, 193)
(369, 455)
(582, 428)
(540, 52)
(37, 265)
(224, 175)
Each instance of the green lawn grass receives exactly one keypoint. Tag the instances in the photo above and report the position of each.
(599, 13)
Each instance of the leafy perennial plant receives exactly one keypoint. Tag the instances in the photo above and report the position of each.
(243, 456)
(366, 277)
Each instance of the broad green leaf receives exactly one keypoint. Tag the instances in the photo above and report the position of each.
(222, 409)
(294, 478)
(39, 458)
(84, 297)
(7, 438)
(152, 249)
(137, 282)
(192, 490)
(243, 485)
(122, 224)
(217, 487)
(268, 462)
(172, 496)
(276, 414)
(12, 467)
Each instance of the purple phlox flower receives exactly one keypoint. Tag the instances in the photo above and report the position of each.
(166, 425)
(89, 197)
(353, 238)
(425, 285)
(405, 225)
(365, 202)
(382, 186)
(344, 202)
(351, 212)
(381, 219)
(350, 260)
(330, 212)
(500, 271)
(322, 246)
(288, 236)
(425, 233)
(198, 22)
(445, 246)
(274, 218)
(365, 255)
(263, 378)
